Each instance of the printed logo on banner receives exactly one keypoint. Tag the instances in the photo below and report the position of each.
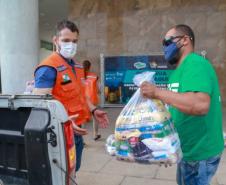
(153, 64)
(139, 65)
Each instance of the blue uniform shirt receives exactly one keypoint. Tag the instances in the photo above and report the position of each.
(45, 76)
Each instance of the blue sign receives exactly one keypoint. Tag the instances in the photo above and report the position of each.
(120, 70)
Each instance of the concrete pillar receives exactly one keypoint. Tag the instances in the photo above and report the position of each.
(19, 43)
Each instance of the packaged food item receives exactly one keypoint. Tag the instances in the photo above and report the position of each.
(124, 151)
(168, 143)
(111, 145)
(144, 130)
(126, 134)
(141, 152)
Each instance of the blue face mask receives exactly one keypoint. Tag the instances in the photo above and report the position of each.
(171, 53)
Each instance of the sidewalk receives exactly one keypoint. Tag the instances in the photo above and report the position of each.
(98, 168)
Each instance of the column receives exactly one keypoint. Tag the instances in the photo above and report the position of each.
(19, 43)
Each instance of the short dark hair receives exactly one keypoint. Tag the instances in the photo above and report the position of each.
(186, 30)
(66, 24)
(86, 64)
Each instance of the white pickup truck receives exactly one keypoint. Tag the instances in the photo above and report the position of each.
(36, 142)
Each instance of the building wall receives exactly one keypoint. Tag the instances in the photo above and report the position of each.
(116, 27)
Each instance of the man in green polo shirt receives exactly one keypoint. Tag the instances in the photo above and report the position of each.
(195, 106)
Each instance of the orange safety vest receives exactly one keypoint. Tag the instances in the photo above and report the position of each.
(91, 88)
(68, 88)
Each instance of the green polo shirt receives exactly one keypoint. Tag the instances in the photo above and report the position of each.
(201, 136)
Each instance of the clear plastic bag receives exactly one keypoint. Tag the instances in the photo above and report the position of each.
(144, 130)
(111, 145)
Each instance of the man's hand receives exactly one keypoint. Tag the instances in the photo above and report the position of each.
(101, 118)
(148, 90)
(77, 129)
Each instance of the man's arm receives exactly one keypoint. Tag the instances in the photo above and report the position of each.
(194, 103)
(45, 78)
(90, 104)
(41, 91)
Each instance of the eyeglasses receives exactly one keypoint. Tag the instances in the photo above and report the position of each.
(168, 41)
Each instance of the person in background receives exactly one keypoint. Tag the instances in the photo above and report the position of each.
(62, 77)
(195, 105)
(92, 89)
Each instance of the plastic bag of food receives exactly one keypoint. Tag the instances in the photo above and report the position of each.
(111, 145)
(144, 131)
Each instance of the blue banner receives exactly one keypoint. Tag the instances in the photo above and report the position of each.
(120, 70)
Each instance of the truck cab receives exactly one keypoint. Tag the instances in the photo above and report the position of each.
(36, 141)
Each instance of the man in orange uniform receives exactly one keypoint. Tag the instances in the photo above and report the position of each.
(60, 76)
(91, 89)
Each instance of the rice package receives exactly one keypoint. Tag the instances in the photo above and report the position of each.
(144, 130)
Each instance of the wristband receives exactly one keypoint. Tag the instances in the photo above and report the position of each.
(94, 110)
